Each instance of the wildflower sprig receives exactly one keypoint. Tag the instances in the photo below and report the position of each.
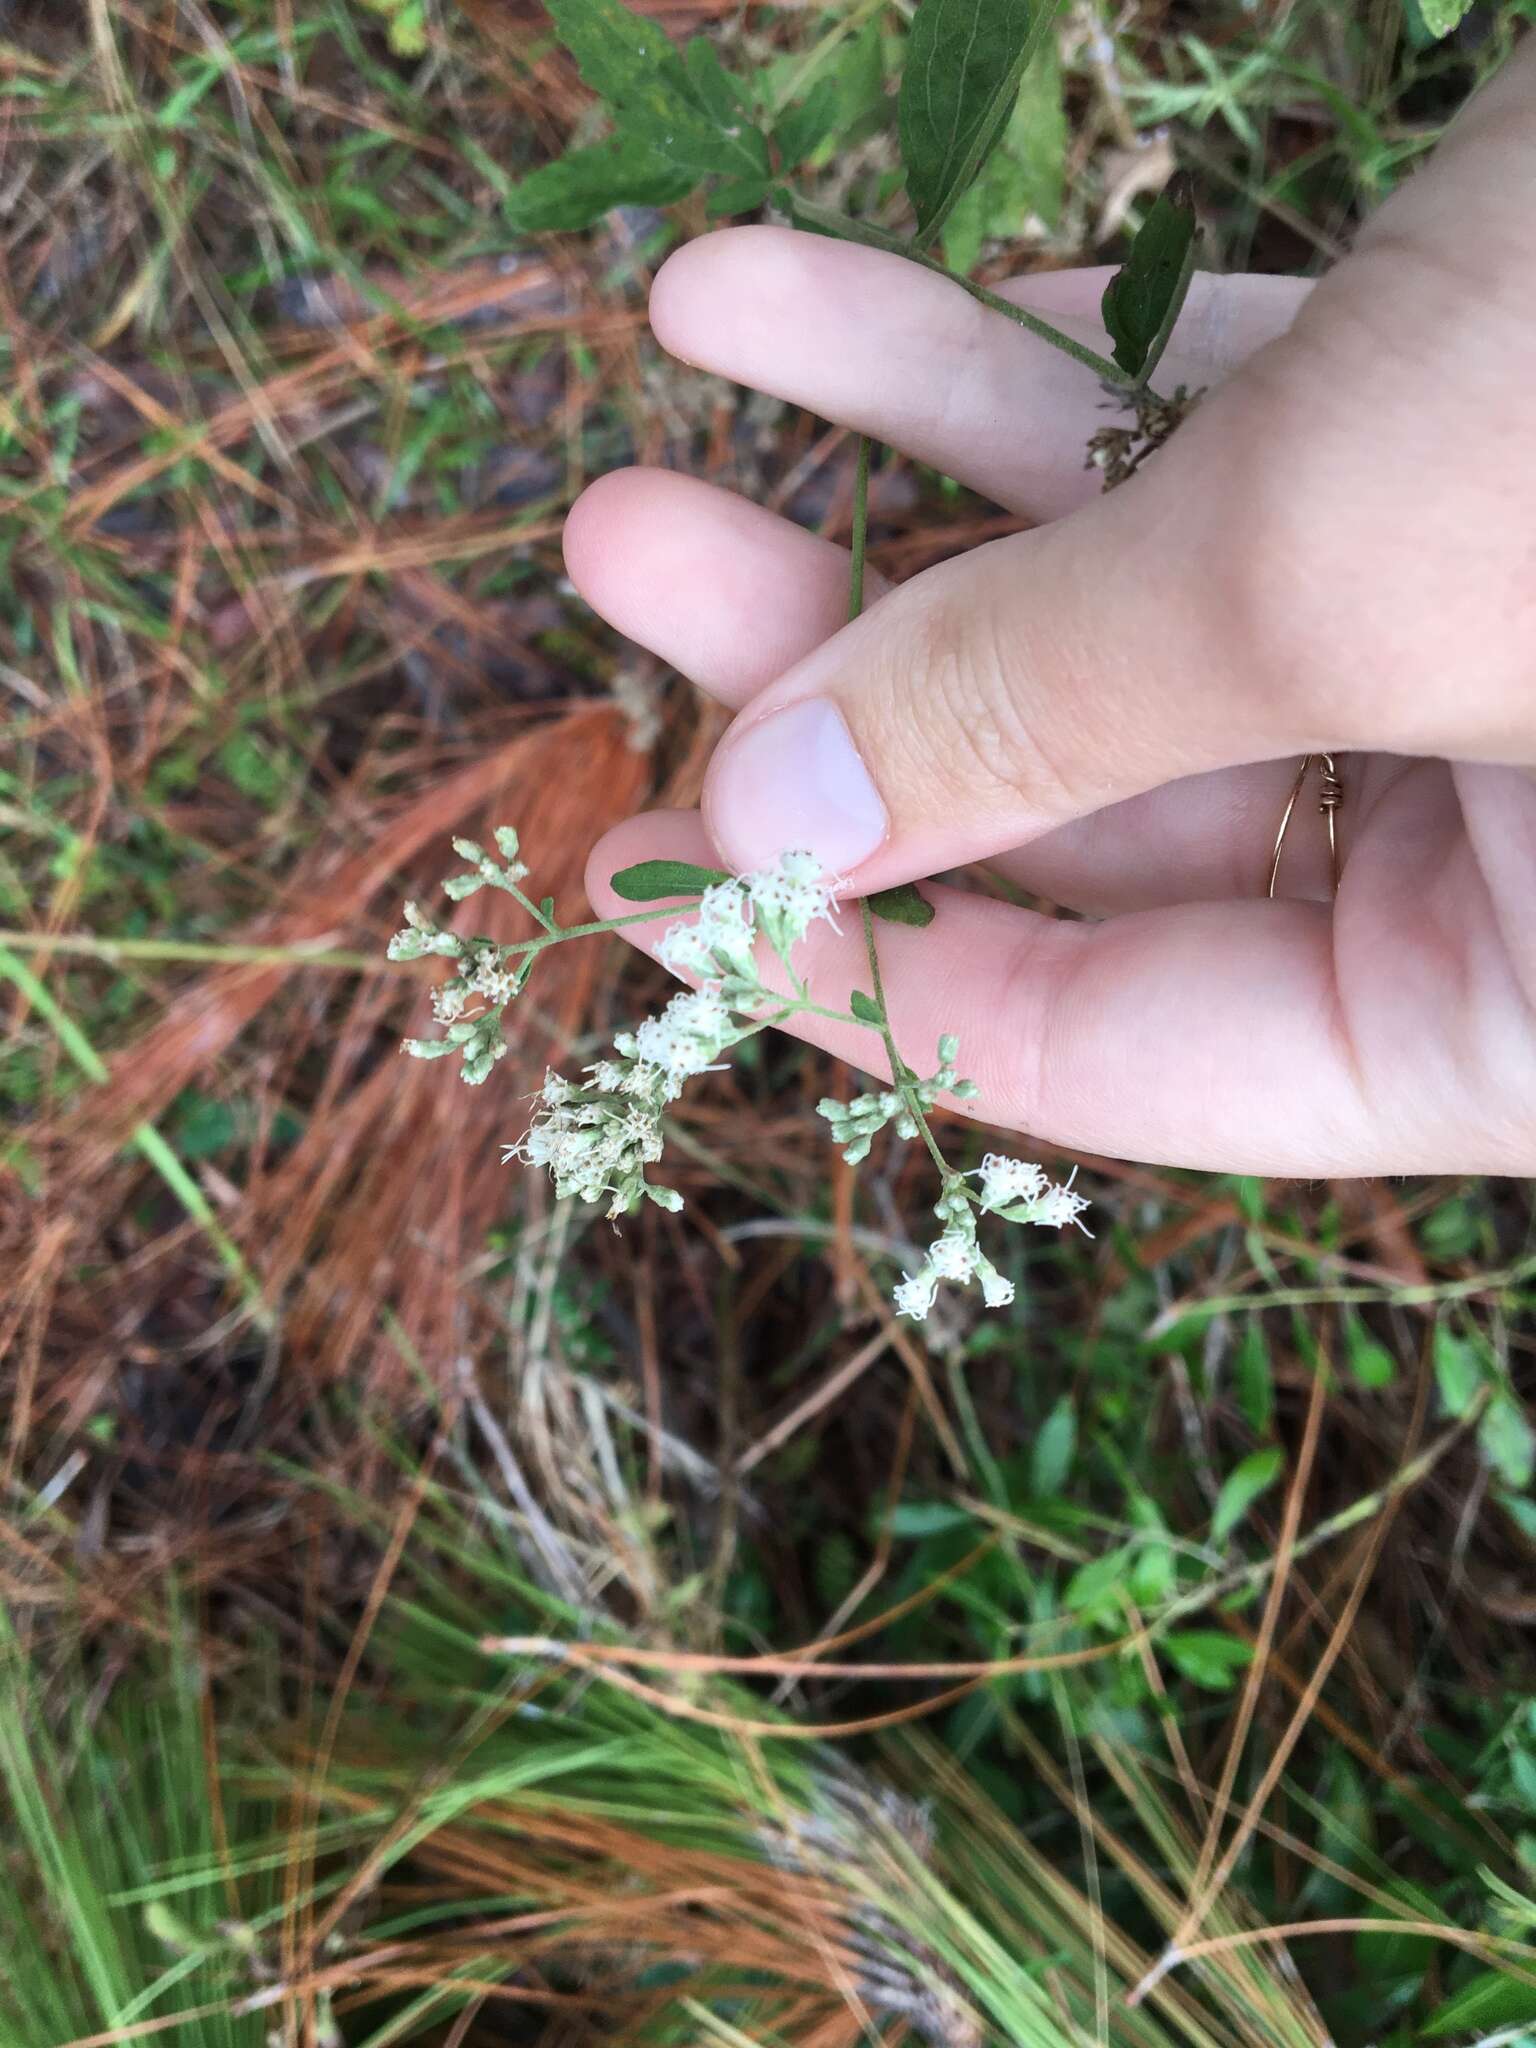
(599, 1135)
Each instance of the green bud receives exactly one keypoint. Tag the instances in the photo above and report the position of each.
(460, 886)
(427, 1048)
(466, 849)
(506, 842)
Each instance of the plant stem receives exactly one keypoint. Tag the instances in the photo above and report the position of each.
(858, 552)
(859, 538)
(824, 220)
(899, 1081)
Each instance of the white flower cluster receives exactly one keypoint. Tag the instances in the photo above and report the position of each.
(782, 902)
(597, 1136)
(856, 1124)
(1013, 1188)
(1019, 1190)
(956, 1256)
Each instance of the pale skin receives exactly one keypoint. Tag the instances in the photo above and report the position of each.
(1337, 551)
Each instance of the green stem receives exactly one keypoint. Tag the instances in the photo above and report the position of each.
(899, 1081)
(859, 540)
(1107, 371)
(559, 933)
(858, 552)
(146, 1139)
(826, 221)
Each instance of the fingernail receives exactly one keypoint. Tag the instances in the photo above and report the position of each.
(795, 782)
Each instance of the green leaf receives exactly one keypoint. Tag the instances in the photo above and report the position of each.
(685, 108)
(1142, 299)
(737, 195)
(927, 1518)
(1153, 1575)
(1025, 175)
(584, 184)
(865, 1008)
(964, 63)
(903, 905)
(1507, 1440)
(1241, 1488)
(1460, 1370)
(1095, 1588)
(1054, 1448)
(649, 879)
(1487, 2005)
(1206, 1657)
(1441, 16)
(1252, 1380)
(802, 129)
(1371, 1363)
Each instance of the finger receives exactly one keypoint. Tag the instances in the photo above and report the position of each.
(724, 592)
(903, 354)
(1209, 1036)
(732, 595)
(1019, 687)
(1203, 1037)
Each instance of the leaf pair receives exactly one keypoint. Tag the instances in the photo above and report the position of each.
(960, 85)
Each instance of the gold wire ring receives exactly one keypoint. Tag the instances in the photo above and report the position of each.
(1330, 794)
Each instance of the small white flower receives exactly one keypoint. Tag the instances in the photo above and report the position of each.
(915, 1293)
(448, 1002)
(790, 896)
(1058, 1207)
(953, 1256)
(1004, 1180)
(996, 1292)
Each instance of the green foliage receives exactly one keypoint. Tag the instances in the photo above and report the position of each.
(582, 185)
(905, 904)
(682, 120)
(1024, 176)
(407, 20)
(1241, 1488)
(649, 880)
(1142, 300)
(1206, 1657)
(1440, 17)
(964, 62)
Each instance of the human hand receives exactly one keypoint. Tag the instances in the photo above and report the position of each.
(1337, 551)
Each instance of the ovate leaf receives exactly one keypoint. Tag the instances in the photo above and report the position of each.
(584, 184)
(1241, 1488)
(964, 62)
(865, 1008)
(1206, 1657)
(1507, 1440)
(903, 905)
(649, 879)
(1460, 1370)
(684, 107)
(1441, 16)
(1142, 299)
(1025, 175)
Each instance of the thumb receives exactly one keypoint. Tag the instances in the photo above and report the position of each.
(1007, 692)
